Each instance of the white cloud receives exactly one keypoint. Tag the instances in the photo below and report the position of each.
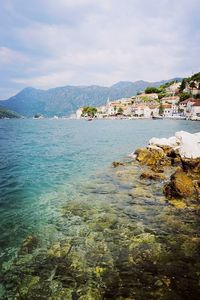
(9, 56)
(7, 92)
(101, 42)
(46, 81)
(63, 6)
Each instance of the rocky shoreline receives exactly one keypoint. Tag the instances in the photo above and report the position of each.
(174, 161)
(131, 234)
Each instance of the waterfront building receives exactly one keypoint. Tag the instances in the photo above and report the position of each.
(79, 112)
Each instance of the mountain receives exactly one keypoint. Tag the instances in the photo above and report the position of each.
(65, 100)
(5, 113)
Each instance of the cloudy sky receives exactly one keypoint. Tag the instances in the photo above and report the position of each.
(48, 43)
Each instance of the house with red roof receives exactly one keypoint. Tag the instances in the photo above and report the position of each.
(190, 107)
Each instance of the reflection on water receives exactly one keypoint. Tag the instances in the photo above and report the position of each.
(116, 237)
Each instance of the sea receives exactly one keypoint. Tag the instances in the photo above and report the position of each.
(73, 227)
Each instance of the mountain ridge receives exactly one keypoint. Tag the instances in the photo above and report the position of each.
(66, 99)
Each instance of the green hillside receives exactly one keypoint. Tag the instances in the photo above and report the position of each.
(5, 113)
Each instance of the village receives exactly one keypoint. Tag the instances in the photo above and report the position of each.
(177, 100)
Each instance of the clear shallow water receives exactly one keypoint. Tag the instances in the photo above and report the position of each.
(46, 165)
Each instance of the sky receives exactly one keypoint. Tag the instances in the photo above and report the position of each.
(50, 43)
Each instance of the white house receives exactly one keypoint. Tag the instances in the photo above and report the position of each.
(142, 110)
(193, 91)
(195, 109)
(191, 107)
(167, 110)
(79, 113)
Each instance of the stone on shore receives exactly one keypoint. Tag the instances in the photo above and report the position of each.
(189, 144)
(180, 186)
(191, 166)
(181, 150)
(170, 142)
(150, 156)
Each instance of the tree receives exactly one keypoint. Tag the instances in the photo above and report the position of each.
(89, 111)
(161, 95)
(120, 111)
(161, 109)
(195, 77)
(192, 84)
(183, 85)
(183, 96)
(151, 89)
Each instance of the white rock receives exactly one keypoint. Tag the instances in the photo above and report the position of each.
(154, 147)
(171, 142)
(186, 137)
(188, 144)
(189, 151)
(198, 136)
(132, 155)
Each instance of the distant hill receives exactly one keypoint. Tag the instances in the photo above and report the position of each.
(65, 100)
(5, 113)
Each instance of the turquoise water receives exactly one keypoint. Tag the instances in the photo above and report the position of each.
(46, 165)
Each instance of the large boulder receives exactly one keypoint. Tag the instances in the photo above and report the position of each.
(180, 186)
(151, 156)
(189, 144)
(191, 165)
(164, 142)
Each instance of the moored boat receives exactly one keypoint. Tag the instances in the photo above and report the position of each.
(157, 117)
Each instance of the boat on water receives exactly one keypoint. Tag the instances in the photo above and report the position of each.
(90, 119)
(176, 117)
(157, 117)
(195, 118)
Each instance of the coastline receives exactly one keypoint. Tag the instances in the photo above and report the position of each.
(119, 239)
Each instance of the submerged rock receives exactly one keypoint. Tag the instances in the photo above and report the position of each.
(180, 186)
(29, 244)
(63, 294)
(177, 203)
(91, 294)
(27, 285)
(60, 250)
(117, 164)
(144, 247)
(157, 169)
(152, 175)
